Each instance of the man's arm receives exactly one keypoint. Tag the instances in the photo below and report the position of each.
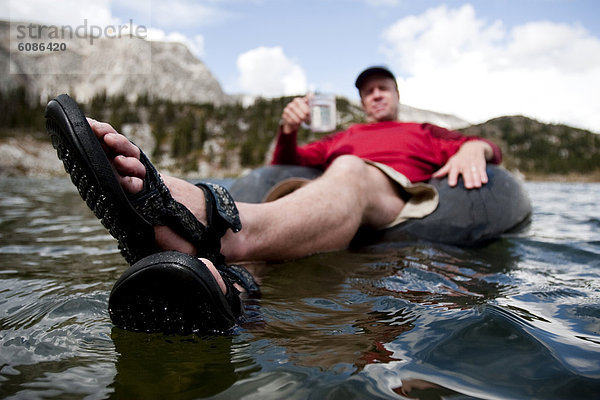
(469, 161)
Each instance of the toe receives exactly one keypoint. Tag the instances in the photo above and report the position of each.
(129, 166)
(215, 274)
(131, 184)
(119, 144)
(100, 129)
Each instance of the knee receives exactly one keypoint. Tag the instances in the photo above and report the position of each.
(348, 166)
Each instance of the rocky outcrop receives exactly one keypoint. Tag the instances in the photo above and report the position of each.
(26, 156)
(130, 66)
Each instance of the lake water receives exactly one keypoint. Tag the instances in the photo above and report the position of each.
(517, 319)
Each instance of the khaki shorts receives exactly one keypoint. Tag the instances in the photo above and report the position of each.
(423, 200)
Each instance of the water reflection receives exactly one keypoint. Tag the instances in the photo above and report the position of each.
(435, 320)
(343, 308)
(486, 353)
(154, 366)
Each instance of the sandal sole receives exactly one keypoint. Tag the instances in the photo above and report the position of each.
(93, 175)
(170, 292)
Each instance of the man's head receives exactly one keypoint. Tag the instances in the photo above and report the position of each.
(379, 94)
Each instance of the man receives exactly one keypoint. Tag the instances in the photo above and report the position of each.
(389, 143)
(357, 189)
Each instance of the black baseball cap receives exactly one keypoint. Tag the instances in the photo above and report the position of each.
(369, 72)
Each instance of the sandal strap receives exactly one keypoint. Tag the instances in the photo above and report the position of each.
(220, 200)
(237, 274)
(158, 207)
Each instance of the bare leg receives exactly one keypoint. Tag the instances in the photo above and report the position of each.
(322, 216)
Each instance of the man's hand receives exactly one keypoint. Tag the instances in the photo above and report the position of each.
(470, 162)
(295, 113)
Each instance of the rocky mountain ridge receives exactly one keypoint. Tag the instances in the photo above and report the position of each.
(130, 66)
(538, 149)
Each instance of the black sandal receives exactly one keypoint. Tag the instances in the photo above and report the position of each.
(161, 291)
(172, 292)
(131, 218)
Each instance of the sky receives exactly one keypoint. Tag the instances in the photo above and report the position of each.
(476, 59)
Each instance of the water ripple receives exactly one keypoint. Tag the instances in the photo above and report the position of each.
(519, 318)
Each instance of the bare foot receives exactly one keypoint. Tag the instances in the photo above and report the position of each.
(131, 172)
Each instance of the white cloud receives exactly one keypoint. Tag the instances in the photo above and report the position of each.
(268, 72)
(64, 12)
(165, 15)
(195, 44)
(451, 61)
(172, 15)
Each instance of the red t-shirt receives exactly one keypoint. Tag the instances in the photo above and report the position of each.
(415, 150)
